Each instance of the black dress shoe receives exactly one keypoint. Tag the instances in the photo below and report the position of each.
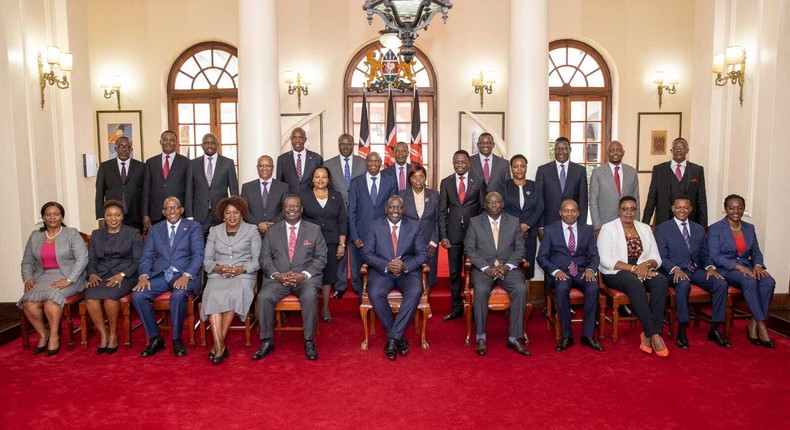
(564, 343)
(40, 349)
(338, 294)
(480, 347)
(625, 311)
(112, 350)
(592, 343)
(309, 350)
(267, 347)
(101, 350)
(453, 315)
(179, 350)
(682, 341)
(753, 340)
(403, 347)
(766, 343)
(154, 345)
(718, 338)
(220, 358)
(518, 347)
(390, 349)
(51, 352)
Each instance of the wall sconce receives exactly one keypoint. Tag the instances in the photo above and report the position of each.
(55, 58)
(670, 89)
(113, 87)
(731, 66)
(299, 88)
(479, 81)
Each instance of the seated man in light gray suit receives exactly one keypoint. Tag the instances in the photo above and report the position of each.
(210, 178)
(495, 245)
(264, 196)
(608, 183)
(293, 255)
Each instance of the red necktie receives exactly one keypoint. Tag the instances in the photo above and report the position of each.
(487, 171)
(461, 190)
(678, 173)
(395, 240)
(292, 244)
(617, 179)
(166, 169)
(401, 180)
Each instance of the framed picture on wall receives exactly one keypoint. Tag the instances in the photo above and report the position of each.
(470, 130)
(655, 132)
(112, 124)
(311, 123)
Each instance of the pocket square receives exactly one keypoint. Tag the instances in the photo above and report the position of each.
(307, 243)
(694, 180)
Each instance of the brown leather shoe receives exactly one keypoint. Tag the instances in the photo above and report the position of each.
(518, 347)
(480, 347)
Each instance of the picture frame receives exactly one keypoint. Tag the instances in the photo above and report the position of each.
(314, 130)
(469, 131)
(111, 124)
(655, 132)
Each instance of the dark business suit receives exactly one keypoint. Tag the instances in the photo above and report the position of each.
(548, 182)
(130, 192)
(186, 256)
(273, 211)
(202, 197)
(286, 170)
(377, 253)
(675, 253)
(156, 188)
(394, 172)
(555, 255)
(479, 246)
(721, 245)
(333, 221)
(529, 214)
(309, 256)
(454, 217)
(499, 172)
(664, 187)
(361, 211)
(429, 223)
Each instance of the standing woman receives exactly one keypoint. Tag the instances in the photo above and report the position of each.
(114, 254)
(421, 204)
(53, 268)
(523, 201)
(324, 207)
(733, 247)
(231, 261)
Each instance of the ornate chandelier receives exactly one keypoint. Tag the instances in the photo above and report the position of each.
(406, 17)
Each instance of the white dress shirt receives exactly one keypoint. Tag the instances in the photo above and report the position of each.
(673, 165)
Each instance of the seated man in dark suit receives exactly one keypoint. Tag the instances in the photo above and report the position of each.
(569, 253)
(496, 247)
(685, 260)
(121, 178)
(394, 251)
(172, 260)
(293, 256)
(264, 196)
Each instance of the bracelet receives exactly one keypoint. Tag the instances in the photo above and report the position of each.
(342, 244)
(633, 268)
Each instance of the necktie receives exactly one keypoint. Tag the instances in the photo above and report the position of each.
(395, 240)
(169, 270)
(572, 268)
(691, 266)
(172, 235)
(166, 169)
(265, 195)
(299, 166)
(617, 179)
(495, 229)
(123, 179)
(209, 171)
(486, 171)
(123, 171)
(401, 180)
(678, 173)
(562, 177)
(347, 173)
(374, 192)
(461, 190)
(292, 243)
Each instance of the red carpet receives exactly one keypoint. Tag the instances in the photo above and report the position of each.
(443, 387)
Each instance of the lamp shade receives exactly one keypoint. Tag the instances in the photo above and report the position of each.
(734, 55)
(66, 61)
(390, 40)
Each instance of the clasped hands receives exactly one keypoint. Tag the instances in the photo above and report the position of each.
(396, 266)
(56, 284)
(114, 281)
(228, 271)
(497, 272)
(643, 272)
(289, 279)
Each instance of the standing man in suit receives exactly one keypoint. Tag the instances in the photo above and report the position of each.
(608, 183)
(210, 178)
(171, 261)
(121, 178)
(560, 180)
(683, 247)
(675, 178)
(493, 169)
(394, 251)
(495, 245)
(367, 198)
(165, 175)
(569, 253)
(400, 170)
(461, 197)
(295, 167)
(264, 196)
(343, 168)
(293, 255)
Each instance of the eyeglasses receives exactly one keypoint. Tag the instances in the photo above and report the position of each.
(678, 147)
(123, 146)
(171, 208)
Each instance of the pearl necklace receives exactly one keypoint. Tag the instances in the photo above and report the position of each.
(56, 234)
(736, 229)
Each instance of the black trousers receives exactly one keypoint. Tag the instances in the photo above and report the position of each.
(651, 314)
(455, 256)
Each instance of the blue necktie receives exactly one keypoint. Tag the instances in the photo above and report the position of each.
(172, 235)
(374, 192)
(169, 271)
(562, 177)
(691, 266)
(347, 174)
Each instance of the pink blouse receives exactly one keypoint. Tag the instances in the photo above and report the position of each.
(48, 259)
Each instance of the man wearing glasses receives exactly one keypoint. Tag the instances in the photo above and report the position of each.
(121, 178)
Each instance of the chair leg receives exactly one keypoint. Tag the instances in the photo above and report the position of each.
(425, 313)
(601, 317)
(527, 314)
(728, 316)
(127, 325)
(83, 326)
(549, 313)
(25, 329)
(247, 332)
(69, 326)
(673, 316)
(615, 318)
(363, 311)
(372, 321)
(191, 321)
(468, 318)
(556, 318)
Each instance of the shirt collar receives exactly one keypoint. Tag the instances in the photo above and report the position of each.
(176, 225)
(682, 164)
(565, 226)
(393, 225)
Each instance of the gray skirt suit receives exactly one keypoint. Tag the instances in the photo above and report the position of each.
(72, 257)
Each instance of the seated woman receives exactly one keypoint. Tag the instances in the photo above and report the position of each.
(113, 255)
(629, 259)
(421, 204)
(53, 268)
(733, 247)
(232, 264)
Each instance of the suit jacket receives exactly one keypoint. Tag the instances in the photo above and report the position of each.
(110, 186)
(202, 197)
(156, 189)
(452, 210)
(664, 187)
(673, 249)
(286, 170)
(429, 223)
(479, 241)
(70, 253)
(604, 198)
(273, 212)
(555, 255)
(548, 182)
(331, 218)
(499, 172)
(392, 171)
(379, 251)
(242, 249)
(361, 208)
(721, 245)
(309, 254)
(186, 254)
(336, 169)
(125, 258)
(613, 248)
(533, 204)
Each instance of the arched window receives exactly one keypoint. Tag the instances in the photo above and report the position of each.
(425, 79)
(580, 101)
(202, 94)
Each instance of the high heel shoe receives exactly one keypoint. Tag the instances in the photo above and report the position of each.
(51, 352)
(647, 349)
(753, 340)
(40, 349)
(327, 316)
(221, 358)
(762, 332)
(663, 353)
(111, 350)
